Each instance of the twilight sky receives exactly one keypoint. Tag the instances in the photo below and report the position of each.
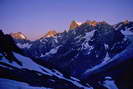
(35, 17)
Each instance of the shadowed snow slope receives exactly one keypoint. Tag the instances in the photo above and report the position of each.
(31, 66)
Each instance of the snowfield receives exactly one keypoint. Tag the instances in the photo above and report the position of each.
(31, 65)
(123, 56)
(110, 84)
(12, 84)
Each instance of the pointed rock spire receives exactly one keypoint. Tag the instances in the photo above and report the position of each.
(18, 35)
(74, 24)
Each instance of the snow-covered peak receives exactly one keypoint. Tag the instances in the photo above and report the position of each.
(79, 23)
(18, 35)
(74, 24)
(50, 33)
(94, 23)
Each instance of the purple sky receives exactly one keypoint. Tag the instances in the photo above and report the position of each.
(35, 17)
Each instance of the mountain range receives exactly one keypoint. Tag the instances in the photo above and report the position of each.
(90, 55)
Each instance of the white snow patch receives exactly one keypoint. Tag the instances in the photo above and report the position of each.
(25, 45)
(79, 23)
(106, 46)
(129, 28)
(89, 35)
(57, 72)
(53, 51)
(118, 27)
(77, 37)
(110, 84)
(55, 38)
(27, 63)
(126, 32)
(44, 40)
(123, 55)
(85, 45)
(106, 58)
(42, 55)
(12, 84)
(75, 79)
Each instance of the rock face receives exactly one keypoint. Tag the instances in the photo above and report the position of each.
(50, 33)
(74, 24)
(18, 35)
(14, 65)
(97, 53)
(87, 45)
(93, 23)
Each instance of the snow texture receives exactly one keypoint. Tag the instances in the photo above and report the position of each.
(53, 51)
(110, 84)
(124, 55)
(12, 84)
(126, 32)
(29, 64)
(25, 45)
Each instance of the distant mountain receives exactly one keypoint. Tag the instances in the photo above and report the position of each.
(94, 55)
(87, 45)
(50, 33)
(93, 23)
(74, 24)
(18, 35)
(21, 72)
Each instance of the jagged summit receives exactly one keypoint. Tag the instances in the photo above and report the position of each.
(93, 52)
(74, 24)
(126, 22)
(50, 33)
(18, 35)
(94, 23)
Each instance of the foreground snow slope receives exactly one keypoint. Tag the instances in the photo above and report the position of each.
(12, 84)
(31, 65)
(116, 60)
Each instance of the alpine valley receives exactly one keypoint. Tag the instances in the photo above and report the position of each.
(90, 55)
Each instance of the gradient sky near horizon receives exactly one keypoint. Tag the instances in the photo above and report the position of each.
(35, 17)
